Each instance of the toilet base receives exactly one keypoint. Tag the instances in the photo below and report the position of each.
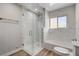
(61, 51)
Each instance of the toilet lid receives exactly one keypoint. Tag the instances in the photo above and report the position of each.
(61, 50)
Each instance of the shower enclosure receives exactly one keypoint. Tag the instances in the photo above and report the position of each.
(32, 31)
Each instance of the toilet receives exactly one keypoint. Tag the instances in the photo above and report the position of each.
(61, 51)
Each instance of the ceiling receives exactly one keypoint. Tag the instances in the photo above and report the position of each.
(47, 6)
(54, 6)
(32, 6)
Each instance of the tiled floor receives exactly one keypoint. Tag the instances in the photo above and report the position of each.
(20, 53)
(44, 52)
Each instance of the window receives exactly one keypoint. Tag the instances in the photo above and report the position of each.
(53, 23)
(58, 22)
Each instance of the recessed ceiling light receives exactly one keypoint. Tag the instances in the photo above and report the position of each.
(36, 9)
(51, 4)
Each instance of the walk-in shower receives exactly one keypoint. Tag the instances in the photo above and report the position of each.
(32, 28)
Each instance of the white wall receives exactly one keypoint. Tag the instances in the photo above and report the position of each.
(10, 33)
(76, 49)
(62, 37)
(10, 11)
(77, 21)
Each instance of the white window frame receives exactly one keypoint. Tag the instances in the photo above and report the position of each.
(57, 23)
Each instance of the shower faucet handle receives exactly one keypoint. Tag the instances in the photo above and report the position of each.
(74, 39)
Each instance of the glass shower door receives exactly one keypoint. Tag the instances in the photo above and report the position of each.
(27, 24)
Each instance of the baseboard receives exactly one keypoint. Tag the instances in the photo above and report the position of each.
(11, 52)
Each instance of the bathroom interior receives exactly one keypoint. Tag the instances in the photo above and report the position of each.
(39, 29)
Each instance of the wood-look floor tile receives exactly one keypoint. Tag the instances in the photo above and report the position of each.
(20, 53)
(46, 52)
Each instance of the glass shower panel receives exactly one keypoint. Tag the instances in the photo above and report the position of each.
(37, 34)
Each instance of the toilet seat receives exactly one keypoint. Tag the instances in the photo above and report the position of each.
(61, 50)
